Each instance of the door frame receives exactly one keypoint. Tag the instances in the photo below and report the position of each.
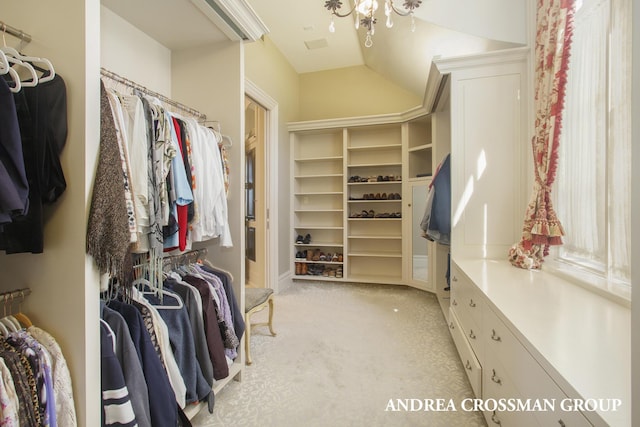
(271, 180)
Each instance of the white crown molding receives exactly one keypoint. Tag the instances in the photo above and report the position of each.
(235, 18)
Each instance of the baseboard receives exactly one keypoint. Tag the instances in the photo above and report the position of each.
(285, 281)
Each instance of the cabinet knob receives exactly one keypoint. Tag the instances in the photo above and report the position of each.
(451, 326)
(495, 378)
(472, 335)
(471, 303)
(562, 423)
(495, 418)
(455, 279)
(495, 336)
(454, 302)
(468, 365)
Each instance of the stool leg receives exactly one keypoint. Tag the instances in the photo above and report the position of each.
(271, 317)
(247, 341)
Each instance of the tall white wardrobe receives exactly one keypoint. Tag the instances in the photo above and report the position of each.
(64, 284)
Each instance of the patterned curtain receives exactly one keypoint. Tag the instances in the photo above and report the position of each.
(542, 228)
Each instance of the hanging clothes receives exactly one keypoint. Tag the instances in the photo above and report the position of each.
(436, 222)
(42, 120)
(116, 402)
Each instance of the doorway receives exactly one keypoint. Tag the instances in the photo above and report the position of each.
(255, 191)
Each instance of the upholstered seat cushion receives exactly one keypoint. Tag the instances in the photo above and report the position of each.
(253, 297)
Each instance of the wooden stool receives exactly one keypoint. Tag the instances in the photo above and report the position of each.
(255, 300)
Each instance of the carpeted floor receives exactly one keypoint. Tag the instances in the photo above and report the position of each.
(344, 352)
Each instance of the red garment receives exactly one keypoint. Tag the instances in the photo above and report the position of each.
(183, 210)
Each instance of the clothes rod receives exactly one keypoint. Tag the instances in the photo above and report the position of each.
(119, 79)
(15, 32)
(18, 293)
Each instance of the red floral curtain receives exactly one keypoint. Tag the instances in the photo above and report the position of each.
(542, 227)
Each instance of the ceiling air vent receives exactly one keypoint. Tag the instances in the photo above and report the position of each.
(235, 18)
(316, 44)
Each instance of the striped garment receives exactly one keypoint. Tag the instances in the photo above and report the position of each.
(116, 404)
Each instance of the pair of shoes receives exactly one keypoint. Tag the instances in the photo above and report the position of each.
(301, 269)
(303, 240)
(339, 273)
(394, 196)
(301, 255)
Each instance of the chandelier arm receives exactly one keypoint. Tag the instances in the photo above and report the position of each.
(400, 11)
(340, 15)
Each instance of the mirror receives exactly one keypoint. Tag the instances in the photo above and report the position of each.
(419, 245)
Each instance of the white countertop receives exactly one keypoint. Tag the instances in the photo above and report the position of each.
(583, 338)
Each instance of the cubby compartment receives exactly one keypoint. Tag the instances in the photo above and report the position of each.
(317, 145)
(306, 201)
(380, 155)
(374, 228)
(319, 184)
(374, 136)
(365, 246)
(318, 218)
(374, 269)
(317, 167)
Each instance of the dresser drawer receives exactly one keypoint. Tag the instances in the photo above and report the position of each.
(498, 387)
(469, 361)
(529, 379)
(467, 304)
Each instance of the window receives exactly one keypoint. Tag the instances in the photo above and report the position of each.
(593, 183)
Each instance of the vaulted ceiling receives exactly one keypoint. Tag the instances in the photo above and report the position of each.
(299, 28)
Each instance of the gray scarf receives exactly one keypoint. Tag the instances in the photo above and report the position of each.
(108, 236)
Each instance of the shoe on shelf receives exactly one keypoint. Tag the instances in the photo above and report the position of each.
(307, 239)
(300, 255)
(304, 270)
(299, 240)
(298, 268)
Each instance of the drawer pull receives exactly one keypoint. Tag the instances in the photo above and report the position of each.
(451, 326)
(472, 335)
(494, 336)
(495, 378)
(468, 365)
(454, 303)
(471, 303)
(562, 423)
(455, 279)
(495, 419)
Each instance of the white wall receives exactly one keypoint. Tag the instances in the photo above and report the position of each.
(635, 225)
(493, 19)
(65, 299)
(132, 54)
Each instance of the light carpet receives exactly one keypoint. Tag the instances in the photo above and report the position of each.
(341, 353)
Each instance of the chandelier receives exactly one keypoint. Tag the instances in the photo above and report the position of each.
(365, 10)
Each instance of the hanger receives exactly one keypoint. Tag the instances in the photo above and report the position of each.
(21, 317)
(13, 57)
(4, 64)
(17, 84)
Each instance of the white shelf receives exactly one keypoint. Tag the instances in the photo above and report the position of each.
(375, 147)
(374, 183)
(314, 227)
(318, 159)
(376, 219)
(420, 147)
(376, 165)
(376, 237)
(317, 210)
(321, 193)
(373, 200)
(376, 254)
(333, 175)
(320, 245)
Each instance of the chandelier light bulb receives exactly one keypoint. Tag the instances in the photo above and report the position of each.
(368, 42)
(367, 9)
